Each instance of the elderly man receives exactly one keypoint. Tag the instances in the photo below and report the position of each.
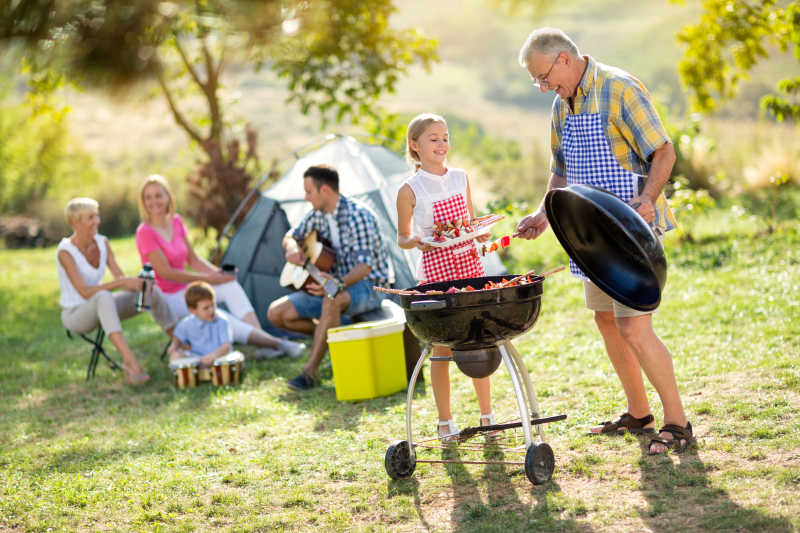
(361, 262)
(606, 132)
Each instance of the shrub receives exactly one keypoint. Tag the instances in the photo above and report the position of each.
(41, 165)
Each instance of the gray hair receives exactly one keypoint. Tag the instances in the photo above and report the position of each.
(77, 207)
(549, 42)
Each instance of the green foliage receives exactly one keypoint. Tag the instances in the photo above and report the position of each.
(38, 159)
(692, 149)
(780, 108)
(345, 55)
(729, 40)
(119, 210)
(688, 203)
(777, 184)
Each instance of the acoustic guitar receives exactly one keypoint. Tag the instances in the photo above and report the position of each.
(319, 259)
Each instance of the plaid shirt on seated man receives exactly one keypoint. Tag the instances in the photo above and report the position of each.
(359, 237)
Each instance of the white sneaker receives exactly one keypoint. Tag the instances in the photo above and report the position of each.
(268, 353)
(292, 349)
(447, 431)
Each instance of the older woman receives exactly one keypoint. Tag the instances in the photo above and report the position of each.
(163, 242)
(85, 301)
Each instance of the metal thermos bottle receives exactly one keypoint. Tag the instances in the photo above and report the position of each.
(143, 300)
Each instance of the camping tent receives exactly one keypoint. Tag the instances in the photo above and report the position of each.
(367, 172)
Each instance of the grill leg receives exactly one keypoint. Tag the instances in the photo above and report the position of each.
(411, 384)
(521, 403)
(526, 379)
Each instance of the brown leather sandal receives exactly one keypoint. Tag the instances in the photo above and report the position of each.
(627, 423)
(678, 434)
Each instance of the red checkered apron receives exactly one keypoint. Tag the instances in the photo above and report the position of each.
(453, 262)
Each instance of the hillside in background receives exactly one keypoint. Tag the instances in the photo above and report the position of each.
(478, 80)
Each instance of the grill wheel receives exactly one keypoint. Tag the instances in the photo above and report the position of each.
(539, 463)
(398, 461)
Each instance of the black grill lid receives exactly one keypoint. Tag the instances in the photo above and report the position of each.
(610, 242)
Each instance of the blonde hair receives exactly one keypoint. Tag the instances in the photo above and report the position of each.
(549, 42)
(158, 180)
(196, 292)
(77, 207)
(417, 127)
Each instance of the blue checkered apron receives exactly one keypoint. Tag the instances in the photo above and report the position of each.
(589, 159)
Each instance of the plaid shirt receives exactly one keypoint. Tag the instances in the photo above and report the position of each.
(360, 237)
(633, 127)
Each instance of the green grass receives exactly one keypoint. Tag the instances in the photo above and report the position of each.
(98, 455)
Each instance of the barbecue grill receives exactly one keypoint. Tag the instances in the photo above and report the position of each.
(478, 326)
(611, 244)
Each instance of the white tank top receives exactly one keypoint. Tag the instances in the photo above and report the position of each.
(429, 188)
(70, 297)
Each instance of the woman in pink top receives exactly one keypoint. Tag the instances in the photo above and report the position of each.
(162, 241)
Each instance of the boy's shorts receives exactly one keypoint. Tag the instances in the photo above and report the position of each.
(362, 299)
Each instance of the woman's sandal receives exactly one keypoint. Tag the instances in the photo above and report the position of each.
(489, 418)
(678, 434)
(447, 431)
(626, 423)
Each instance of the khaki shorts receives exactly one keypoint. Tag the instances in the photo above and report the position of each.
(597, 300)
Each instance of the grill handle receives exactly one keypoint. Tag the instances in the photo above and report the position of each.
(428, 305)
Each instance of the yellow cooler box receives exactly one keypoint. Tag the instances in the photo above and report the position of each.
(368, 359)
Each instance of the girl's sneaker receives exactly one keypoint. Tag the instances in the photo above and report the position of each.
(447, 431)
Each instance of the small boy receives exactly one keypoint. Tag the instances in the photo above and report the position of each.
(204, 333)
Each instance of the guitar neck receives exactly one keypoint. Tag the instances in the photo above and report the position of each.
(315, 273)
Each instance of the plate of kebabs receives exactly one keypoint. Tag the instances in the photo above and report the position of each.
(457, 231)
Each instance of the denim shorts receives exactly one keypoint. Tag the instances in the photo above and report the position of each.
(362, 299)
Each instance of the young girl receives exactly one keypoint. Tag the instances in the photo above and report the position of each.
(434, 194)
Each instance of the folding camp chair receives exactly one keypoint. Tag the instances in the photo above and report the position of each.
(97, 351)
(166, 349)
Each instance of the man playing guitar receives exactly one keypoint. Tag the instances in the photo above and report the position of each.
(361, 261)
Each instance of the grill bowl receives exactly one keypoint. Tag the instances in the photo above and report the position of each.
(472, 320)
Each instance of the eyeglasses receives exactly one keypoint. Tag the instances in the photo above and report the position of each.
(542, 80)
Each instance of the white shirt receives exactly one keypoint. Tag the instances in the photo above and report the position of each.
(429, 188)
(333, 229)
(70, 297)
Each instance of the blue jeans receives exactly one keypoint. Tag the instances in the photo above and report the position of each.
(362, 299)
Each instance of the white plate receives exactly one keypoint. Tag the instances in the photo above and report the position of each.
(464, 237)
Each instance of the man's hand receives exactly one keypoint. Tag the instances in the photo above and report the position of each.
(296, 256)
(532, 225)
(314, 288)
(645, 207)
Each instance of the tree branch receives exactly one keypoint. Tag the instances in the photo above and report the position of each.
(210, 90)
(188, 64)
(179, 118)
